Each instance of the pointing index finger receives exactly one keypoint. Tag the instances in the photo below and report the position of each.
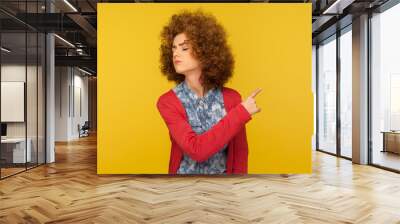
(255, 93)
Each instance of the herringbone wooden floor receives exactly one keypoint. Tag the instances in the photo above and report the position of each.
(70, 191)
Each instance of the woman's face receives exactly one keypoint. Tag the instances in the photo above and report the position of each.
(182, 56)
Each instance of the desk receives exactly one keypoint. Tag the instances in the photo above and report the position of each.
(391, 141)
(15, 148)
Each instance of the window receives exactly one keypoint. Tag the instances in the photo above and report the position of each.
(327, 95)
(346, 93)
(385, 88)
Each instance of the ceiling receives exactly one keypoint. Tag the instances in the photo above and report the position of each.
(76, 24)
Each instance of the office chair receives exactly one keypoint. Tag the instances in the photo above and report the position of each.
(84, 130)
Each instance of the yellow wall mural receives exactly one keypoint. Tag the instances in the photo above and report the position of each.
(271, 45)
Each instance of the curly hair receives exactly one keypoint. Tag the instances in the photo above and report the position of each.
(209, 44)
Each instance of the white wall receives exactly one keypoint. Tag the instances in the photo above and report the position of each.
(71, 87)
(12, 73)
(9, 73)
(79, 117)
(62, 78)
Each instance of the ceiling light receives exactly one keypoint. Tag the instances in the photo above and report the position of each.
(338, 6)
(70, 5)
(84, 71)
(5, 50)
(64, 40)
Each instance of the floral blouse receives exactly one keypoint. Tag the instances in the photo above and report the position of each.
(202, 113)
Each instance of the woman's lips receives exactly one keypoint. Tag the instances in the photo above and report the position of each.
(177, 62)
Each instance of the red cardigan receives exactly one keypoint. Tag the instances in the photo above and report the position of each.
(230, 129)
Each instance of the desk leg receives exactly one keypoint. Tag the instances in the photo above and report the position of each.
(384, 142)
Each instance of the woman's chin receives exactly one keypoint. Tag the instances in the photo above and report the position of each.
(180, 71)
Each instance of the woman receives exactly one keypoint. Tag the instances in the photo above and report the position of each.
(206, 120)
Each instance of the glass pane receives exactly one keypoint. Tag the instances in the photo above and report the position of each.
(327, 96)
(386, 89)
(346, 93)
(14, 153)
(23, 88)
(31, 84)
(41, 98)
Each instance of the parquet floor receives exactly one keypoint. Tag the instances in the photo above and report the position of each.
(70, 191)
(10, 171)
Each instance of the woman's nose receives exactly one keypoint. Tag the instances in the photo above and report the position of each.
(175, 54)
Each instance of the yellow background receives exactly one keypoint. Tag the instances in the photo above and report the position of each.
(271, 44)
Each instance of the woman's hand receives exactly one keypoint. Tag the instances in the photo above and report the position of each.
(250, 102)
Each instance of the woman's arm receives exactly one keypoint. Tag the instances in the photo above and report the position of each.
(201, 147)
